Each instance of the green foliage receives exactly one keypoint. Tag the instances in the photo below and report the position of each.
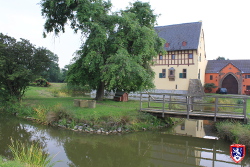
(31, 155)
(41, 112)
(76, 90)
(20, 63)
(52, 73)
(63, 122)
(7, 163)
(120, 46)
(234, 131)
(108, 114)
(209, 87)
(240, 101)
(221, 58)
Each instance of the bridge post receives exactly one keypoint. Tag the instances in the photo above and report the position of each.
(163, 106)
(244, 110)
(170, 105)
(149, 101)
(216, 108)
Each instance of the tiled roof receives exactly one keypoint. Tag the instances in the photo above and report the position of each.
(214, 66)
(178, 33)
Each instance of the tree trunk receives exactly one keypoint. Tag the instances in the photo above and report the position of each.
(100, 92)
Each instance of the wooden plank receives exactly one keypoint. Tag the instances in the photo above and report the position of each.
(194, 114)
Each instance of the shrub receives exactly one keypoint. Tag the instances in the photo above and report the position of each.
(40, 82)
(41, 113)
(209, 86)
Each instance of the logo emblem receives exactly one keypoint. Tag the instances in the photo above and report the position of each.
(237, 152)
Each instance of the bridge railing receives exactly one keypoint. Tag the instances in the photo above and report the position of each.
(234, 106)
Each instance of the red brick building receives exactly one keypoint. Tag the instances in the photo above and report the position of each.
(231, 74)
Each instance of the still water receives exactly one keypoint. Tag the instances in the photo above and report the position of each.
(183, 145)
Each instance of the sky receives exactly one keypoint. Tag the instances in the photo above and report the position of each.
(226, 25)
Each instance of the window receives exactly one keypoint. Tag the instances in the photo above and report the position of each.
(200, 58)
(171, 74)
(160, 57)
(248, 87)
(163, 74)
(190, 56)
(183, 74)
(247, 76)
(211, 77)
(172, 56)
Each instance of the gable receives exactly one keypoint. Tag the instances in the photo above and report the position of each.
(230, 68)
(181, 36)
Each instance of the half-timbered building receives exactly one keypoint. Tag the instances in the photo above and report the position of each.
(185, 58)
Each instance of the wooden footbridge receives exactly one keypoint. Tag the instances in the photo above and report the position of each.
(208, 107)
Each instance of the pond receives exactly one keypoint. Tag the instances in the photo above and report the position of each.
(187, 144)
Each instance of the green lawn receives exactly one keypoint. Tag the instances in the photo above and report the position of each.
(45, 102)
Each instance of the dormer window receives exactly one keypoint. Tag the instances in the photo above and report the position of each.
(167, 45)
(184, 43)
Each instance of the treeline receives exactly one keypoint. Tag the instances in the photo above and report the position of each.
(21, 62)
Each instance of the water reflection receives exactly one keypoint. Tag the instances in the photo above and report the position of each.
(196, 128)
(159, 148)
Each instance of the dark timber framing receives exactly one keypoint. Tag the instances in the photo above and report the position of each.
(181, 57)
(192, 107)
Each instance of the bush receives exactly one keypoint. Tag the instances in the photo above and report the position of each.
(209, 86)
(40, 82)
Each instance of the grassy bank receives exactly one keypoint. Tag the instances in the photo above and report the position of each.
(54, 105)
(235, 132)
(10, 163)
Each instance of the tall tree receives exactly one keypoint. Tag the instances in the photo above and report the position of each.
(119, 48)
(52, 73)
(20, 61)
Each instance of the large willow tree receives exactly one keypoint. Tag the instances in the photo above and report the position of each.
(118, 49)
